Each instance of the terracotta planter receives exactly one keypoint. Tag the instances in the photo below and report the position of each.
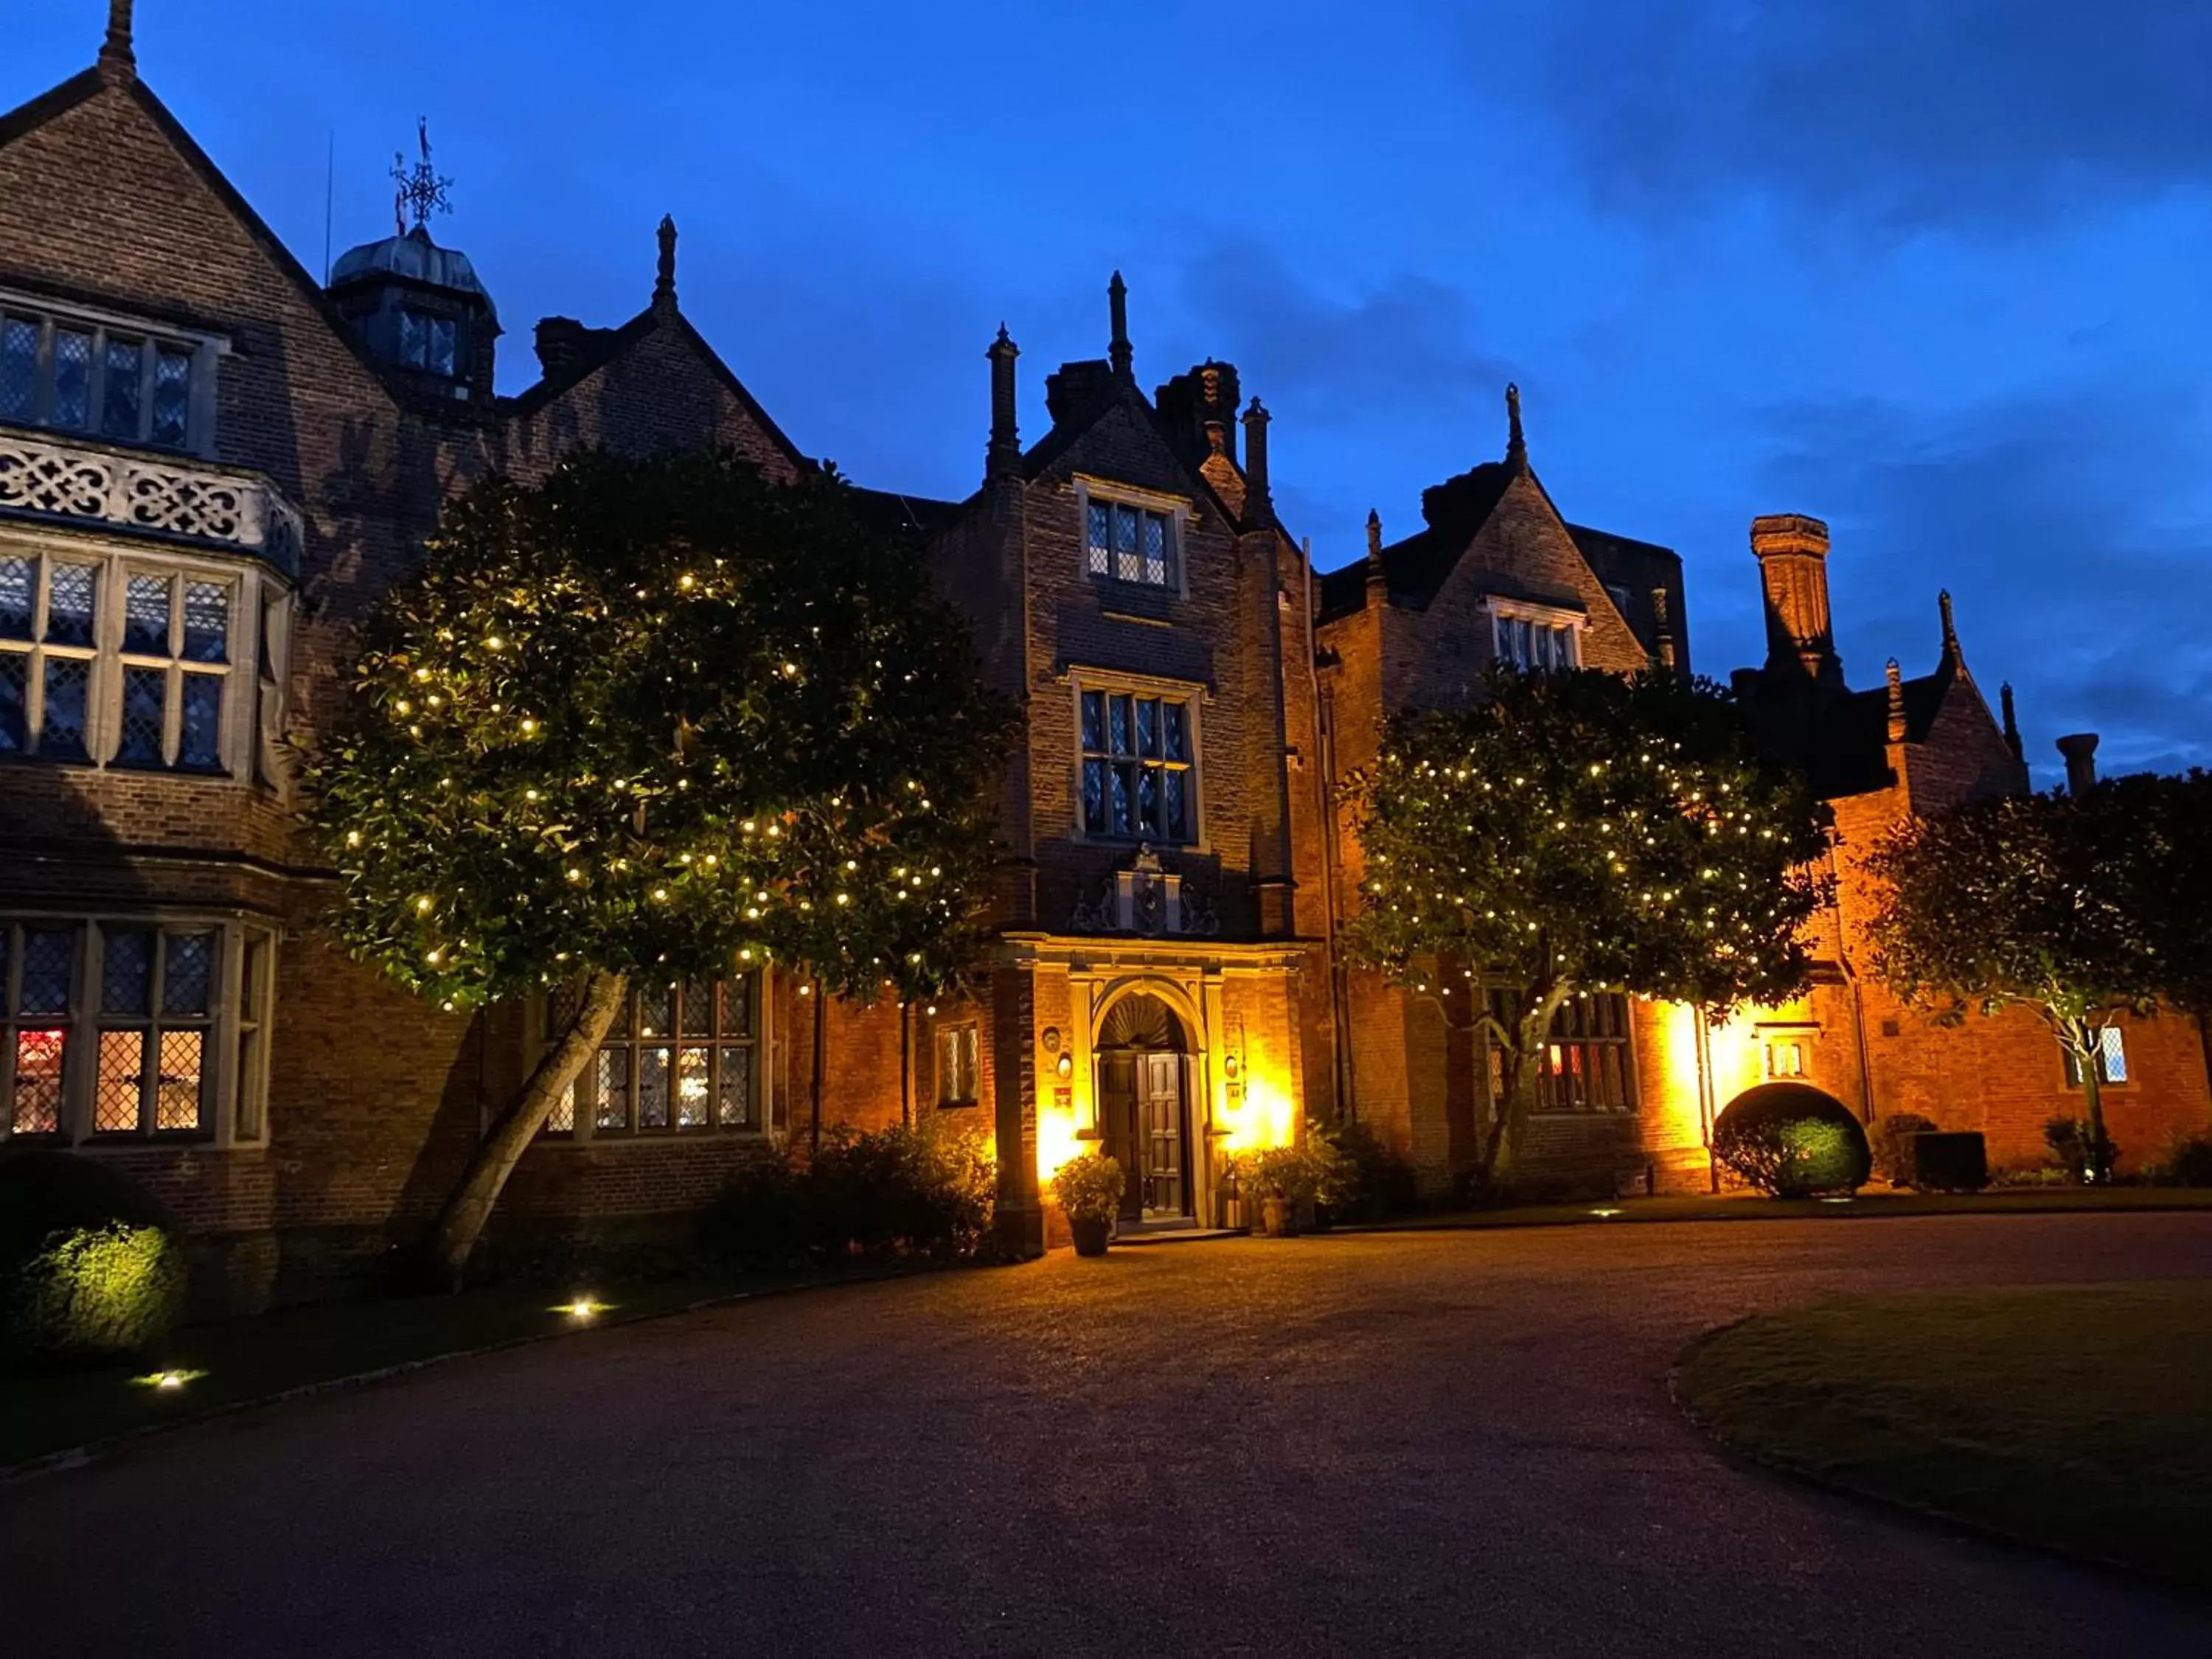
(1091, 1233)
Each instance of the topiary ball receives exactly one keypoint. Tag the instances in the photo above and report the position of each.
(1793, 1140)
(91, 1265)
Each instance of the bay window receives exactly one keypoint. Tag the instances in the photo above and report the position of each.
(123, 1029)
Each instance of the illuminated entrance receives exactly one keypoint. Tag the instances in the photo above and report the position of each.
(1144, 1107)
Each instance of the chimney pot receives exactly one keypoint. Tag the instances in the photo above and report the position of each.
(2080, 748)
(558, 340)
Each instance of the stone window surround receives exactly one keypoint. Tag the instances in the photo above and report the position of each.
(237, 1100)
(1502, 611)
(580, 1129)
(1176, 508)
(207, 348)
(261, 610)
(961, 1037)
(1193, 694)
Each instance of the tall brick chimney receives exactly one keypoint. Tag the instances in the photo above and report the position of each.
(2080, 748)
(1792, 550)
(1005, 453)
(1259, 501)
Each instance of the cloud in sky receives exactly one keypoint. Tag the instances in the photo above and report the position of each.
(1903, 112)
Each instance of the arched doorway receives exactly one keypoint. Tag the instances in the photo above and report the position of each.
(1144, 1107)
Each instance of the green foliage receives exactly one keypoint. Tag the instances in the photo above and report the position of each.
(2084, 1150)
(2187, 1162)
(924, 1191)
(1583, 832)
(1314, 1171)
(1791, 1140)
(90, 1265)
(1616, 833)
(1958, 1162)
(1891, 1144)
(659, 714)
(1378, 1181)
(2167, 823)
(2039, 900)
(1088, 1187)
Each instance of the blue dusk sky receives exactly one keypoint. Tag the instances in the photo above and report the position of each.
(1939, 271)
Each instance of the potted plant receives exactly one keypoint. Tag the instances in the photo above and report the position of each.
(1088, 1190)
(1280, 1183)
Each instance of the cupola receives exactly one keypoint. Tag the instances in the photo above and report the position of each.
(419, 309)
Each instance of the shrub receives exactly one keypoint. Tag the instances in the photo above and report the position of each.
(1954, 1162)
(1379, 1181)
(1792, 1140)
(897, 1192)
(1892, 1145)
(2087, 1157)
(2187, 1163)
(90, 1265)
(1088, 1187)
(1314, 1171)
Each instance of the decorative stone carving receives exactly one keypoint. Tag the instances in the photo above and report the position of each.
(80, 480)
(1146, 898)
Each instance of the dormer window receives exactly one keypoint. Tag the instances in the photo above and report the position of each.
(101, 378)
(1130, 538)
(429, 342)
(1534, 639)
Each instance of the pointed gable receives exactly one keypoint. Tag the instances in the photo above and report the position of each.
(653, 383)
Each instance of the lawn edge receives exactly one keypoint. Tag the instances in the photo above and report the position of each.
(77, 1457)
(1920, 1514)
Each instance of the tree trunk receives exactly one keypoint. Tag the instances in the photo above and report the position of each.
(2092, 1098)
(466, 1211)
(1531, 1032)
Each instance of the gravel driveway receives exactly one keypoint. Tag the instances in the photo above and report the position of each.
(1448, 1442)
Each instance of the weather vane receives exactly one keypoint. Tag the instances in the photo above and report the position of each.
(421, 189)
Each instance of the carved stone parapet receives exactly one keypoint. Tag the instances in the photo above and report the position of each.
(47, 475)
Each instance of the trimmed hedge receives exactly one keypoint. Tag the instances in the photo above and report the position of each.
(921, 1191)
(91, 1265)
(1793, 1140)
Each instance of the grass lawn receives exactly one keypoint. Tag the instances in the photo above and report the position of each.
(241, 1360)
(2078, 1417)
(1871, 1203)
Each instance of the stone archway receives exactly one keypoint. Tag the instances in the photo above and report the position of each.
(1147, 1120)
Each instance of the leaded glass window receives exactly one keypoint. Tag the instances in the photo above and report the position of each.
(129, 386)
(176, 653)
(958, 1083)
(1129, 544)
(679, 1058)
(37, 967)
(1585, 1065)
(1534, 645)
(49, 622)
(1140, 766)
(429, 342)
(157, 1006)
(2112, 1060)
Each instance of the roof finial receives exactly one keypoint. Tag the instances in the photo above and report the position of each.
(1950, 626)
(2011, 720)
(423, 190)
(664, 284)
(1373, 536)
(1516, 448)
(1117, 301)
(1896, 701)
(117, 60)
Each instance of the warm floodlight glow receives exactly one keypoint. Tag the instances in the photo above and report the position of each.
(1604, 1215)
(581, 1308)
(169, 1381)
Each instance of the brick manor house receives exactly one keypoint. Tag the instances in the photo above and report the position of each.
(210, 465)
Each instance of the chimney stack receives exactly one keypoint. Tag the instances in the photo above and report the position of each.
(1792, 550)
(1258, 504)
(558, 340)
(1662, 630)
(2080, 748)
(1005, 453)
(1117, 349)
(1896, 701)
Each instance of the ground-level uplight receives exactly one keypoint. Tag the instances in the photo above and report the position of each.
(582, 1307)
(169, 1381)
(1604, 1215)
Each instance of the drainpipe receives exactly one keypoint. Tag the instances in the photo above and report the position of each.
(1858, 992)
(1702, 1049)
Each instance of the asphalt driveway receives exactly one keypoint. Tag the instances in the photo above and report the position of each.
(1412, 1444)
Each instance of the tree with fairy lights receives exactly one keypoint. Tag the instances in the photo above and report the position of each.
(1574, 833)
(656, 716)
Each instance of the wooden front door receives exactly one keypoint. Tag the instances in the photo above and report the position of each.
(1118, 1128)
(1160, 1116)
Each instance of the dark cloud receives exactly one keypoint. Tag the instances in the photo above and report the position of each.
(2053, 517)
(1906, 113)
(1407, 346)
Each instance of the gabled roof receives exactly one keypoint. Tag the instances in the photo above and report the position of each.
(80, 89)
(1416, 568)
(601, 346)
